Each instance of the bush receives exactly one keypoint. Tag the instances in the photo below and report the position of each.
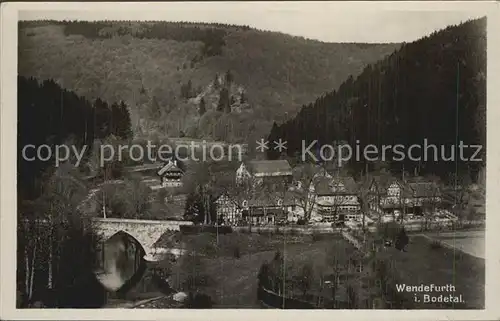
(198, 301)
(236, 252)
(301, 221)
(402, 240)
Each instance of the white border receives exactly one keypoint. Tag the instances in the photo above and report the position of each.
(149, 11)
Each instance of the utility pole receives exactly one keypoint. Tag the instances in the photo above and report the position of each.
(456, 130)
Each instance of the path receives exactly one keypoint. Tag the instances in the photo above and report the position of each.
(470, 242)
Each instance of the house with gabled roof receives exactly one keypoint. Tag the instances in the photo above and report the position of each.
(268, 208)
(171, 174)
(229, 209)
(336, 197)
(425, 192)
(388, 194)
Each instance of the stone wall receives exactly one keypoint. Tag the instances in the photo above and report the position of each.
(146, 232)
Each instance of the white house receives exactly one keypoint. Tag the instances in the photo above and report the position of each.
(228, 209)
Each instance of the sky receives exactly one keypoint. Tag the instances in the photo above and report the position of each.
(324, 21)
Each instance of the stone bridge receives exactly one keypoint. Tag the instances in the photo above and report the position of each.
(146, 232)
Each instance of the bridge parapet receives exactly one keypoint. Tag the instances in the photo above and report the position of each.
(146, 232)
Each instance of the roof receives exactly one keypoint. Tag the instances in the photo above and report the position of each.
(338, 185)
(424, 189)
(349, 202)
(269, 167)
(382, 182)
(270, 200)
(224, 195)
(171, 166)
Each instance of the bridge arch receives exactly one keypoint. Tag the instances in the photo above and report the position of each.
(144, 232)
(121, 260)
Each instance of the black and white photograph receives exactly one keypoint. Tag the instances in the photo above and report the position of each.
(250, 155)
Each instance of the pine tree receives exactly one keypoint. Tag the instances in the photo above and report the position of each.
(223, 104)
(189, 89)
(274, 135)
(216, 81)
(124, 127)
(202, 108)
(243, 98)
(229, 78)
(154, 110)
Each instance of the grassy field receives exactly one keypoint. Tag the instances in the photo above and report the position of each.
(233, 281)
(429, 263)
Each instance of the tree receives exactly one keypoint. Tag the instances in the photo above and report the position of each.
(202, 107)
(199, 183)
(304, 176)
(430, 204)
(187, 90)
(192, 271)
(264, 276)
(305, 278)
(351, 297)
(216, 81)
(229, 77)
(129, 199)
(154, 110)
(137, 197)
(124, 125)
(402, 240)
(243, 98)
(53, 241)
(389, 231)
(274, 135)
(224, 104)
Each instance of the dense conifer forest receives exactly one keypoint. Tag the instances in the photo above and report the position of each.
(51, 115)
(433, 88)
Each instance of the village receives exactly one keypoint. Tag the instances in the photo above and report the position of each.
(271, 192)
(274, 198)
(250, 207)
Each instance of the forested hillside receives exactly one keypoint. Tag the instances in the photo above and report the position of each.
(204, 80)
(50, 115)
(433, 88)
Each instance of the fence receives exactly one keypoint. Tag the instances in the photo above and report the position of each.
(303, 230)
(273, 300)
